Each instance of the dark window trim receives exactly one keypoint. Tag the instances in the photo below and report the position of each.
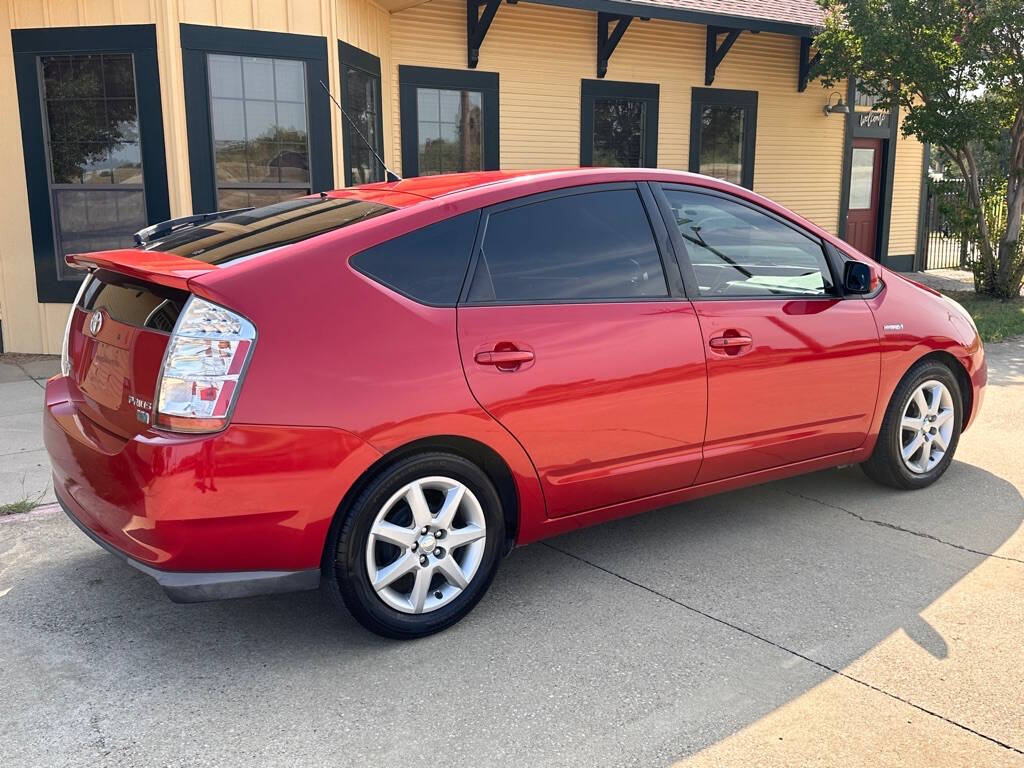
(411, 78)
(136, 39)
(920, 252)
(701, 97)
(683, 258)
(351, 57)
(196, 42)
(665, 252)
(590, 90)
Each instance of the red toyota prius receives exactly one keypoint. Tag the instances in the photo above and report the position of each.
(384, 389)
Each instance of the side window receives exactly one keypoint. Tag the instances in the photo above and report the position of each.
(736, 250)
(594, 245)
(427, 264)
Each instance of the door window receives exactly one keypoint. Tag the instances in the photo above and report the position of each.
(738, 251)
(578, 247)
(862, 171)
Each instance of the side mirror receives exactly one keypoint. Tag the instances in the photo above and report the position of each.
(856, 277)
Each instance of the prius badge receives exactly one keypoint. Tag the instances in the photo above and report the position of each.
(95, 322)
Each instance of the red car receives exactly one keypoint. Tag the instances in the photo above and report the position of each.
(384, 389)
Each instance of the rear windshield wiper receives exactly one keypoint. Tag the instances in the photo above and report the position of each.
(164, 228)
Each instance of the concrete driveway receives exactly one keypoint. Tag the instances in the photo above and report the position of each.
(816, 621)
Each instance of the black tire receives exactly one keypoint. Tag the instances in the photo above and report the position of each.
(345, 573)
(886, 464)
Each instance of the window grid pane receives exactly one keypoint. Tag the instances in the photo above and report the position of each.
(93, 151)
(721, 142)
(260, 131)
(619, 130)
(450, 131)
(362, 91)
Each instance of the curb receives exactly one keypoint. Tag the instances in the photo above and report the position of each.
(43, 510)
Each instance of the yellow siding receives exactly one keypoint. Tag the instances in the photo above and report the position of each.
(542, 53)
(906, 196)
(29, 326)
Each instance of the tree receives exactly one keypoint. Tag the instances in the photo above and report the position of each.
(956, 68)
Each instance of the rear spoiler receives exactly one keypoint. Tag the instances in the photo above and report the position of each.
(162, 268)
(165, 228)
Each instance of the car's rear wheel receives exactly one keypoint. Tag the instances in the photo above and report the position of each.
(419, 546)
(920, 430)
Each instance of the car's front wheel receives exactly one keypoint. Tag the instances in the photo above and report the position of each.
(920, 430)
(419, 546)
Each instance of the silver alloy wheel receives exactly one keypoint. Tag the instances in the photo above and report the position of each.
(436, 532)
(926, 428)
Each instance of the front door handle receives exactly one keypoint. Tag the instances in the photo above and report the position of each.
(730, 342)
(505, 359)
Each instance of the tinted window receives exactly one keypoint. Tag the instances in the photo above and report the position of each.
(243, 234)
(596, 245)
(739, 251)
(428, 264)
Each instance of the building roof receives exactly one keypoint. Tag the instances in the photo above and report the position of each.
(789, 11)
(788, 17)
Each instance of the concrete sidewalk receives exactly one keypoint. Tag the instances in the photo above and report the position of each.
(24, 466)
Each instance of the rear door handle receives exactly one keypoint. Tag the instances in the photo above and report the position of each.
(505, 358)
(727, 342)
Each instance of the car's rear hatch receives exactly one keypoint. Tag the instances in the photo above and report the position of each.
(123, 319)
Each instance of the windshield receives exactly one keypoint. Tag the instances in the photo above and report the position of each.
(243, 234)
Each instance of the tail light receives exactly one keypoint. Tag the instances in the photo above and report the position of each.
(205, 358)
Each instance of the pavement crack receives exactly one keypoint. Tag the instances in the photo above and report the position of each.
(784, 649)
(901, 529)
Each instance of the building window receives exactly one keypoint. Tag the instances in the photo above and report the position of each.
(618, 124)
(361, 97)
(260, 140)
(92, 131)
(723, 128)
(449, 121)
(258, 130)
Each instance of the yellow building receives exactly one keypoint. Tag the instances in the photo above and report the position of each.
(123, 113)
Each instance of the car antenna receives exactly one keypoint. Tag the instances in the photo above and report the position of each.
(388, 173)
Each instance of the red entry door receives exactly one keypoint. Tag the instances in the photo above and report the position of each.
(865, 188)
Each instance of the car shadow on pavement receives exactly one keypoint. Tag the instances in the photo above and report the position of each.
(644, 639)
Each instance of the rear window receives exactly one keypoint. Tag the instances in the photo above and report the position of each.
(261, 229)
(144, 305)
(428, 264)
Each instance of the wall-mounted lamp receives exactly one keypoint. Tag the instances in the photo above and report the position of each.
(838, 108)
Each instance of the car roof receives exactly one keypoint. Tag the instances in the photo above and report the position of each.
(433, 187)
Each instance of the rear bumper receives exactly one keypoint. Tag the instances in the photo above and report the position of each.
(206, 515)
(183, 587)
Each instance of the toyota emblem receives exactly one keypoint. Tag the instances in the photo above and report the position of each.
(95, 322)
